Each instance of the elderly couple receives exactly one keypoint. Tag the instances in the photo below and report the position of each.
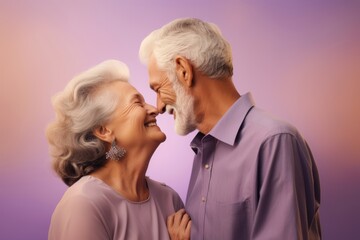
(253, 176)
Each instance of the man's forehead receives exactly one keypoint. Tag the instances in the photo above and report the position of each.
(155, 75)
(153, 65)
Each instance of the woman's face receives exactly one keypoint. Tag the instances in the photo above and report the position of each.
(134, 121)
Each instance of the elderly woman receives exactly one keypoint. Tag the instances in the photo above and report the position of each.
(101, 143)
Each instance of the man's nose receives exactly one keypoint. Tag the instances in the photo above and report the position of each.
(161, 106)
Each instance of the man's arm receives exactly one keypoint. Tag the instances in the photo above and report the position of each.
(288, 190)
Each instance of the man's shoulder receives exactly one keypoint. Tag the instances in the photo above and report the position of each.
(264, 124)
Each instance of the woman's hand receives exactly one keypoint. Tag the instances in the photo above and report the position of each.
(179, 225)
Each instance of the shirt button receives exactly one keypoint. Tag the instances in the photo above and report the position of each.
(207, 166)
(203, 199)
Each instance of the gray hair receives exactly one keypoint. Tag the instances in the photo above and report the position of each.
(79, 108)
(198, 41)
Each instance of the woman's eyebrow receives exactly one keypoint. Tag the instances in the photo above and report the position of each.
(136, 96)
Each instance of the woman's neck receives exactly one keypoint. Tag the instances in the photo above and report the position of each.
(126, 176)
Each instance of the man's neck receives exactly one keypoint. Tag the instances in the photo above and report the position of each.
(213, 97)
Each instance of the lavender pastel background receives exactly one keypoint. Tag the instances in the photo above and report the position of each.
(300, 59)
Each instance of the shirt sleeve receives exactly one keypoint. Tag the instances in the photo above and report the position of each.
(77, 218)
(288, 191)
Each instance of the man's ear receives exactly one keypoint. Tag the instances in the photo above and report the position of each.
(184, 71)
(103, 134)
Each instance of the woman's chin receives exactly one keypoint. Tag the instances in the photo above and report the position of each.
(163, 138)
(159, 139)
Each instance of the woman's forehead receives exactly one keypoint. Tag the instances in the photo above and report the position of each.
(126, 91)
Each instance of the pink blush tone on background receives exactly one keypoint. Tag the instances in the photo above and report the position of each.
(300, 60)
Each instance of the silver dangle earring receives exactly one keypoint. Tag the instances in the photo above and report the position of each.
(115, 152)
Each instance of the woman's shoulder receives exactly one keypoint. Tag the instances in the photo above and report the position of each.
(81, 209)
(163, 192)
(88, 191)
(159, 186)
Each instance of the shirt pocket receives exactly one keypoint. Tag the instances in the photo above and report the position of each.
(233, 220)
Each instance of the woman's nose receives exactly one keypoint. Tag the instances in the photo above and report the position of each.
(151, 110)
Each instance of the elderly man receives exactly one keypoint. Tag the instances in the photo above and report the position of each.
(253, 176)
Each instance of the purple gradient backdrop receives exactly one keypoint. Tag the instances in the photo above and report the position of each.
(300, 60)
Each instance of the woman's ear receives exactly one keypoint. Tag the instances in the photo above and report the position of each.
(184, 71)
(103, 134)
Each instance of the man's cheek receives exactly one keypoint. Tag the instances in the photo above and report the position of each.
(168, 98)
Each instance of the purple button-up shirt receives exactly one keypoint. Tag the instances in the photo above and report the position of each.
(253, 177)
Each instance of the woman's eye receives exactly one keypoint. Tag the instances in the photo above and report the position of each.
(139, 103)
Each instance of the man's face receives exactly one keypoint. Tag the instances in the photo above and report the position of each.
(172, 98)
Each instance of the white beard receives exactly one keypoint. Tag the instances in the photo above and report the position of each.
(185, 121)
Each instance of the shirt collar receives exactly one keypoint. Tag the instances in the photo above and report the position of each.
(196, 142)
(227, 127)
